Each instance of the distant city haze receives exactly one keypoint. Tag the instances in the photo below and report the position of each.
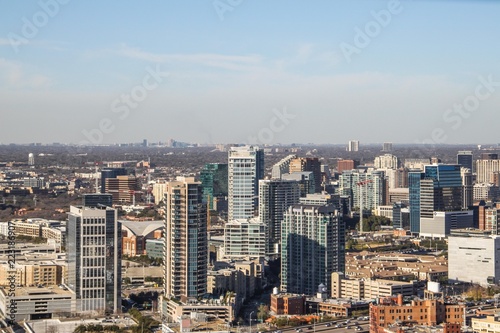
(270, 72)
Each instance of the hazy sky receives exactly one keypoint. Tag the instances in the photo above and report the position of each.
(241, 71)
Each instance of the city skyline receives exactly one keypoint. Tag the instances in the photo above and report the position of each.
(399, 71)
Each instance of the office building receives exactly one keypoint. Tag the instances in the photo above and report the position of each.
(312, 247)
(213, 179)
(282, 167)
(31, 159)
(414, 179)
(400, 216)
(343, 287)
(308, 164)
(441, 223)
(107, 173)
(124, 189)
(487, 324)
(94, 200)
(465, 159)
(440, 190)
(467, 188)
(245, 239)
(492, 220)
(186, 250)
(353, 145)
(474, 260)
(246, 168)
(275, 196)
(94, 258)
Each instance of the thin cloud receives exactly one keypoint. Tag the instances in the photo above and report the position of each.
(14, 75)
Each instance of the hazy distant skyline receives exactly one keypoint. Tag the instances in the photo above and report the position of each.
(243, 71)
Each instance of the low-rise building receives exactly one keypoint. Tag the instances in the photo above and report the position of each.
(39, 303)
(367, 288)
(486, 324)
(392, 310)
(288, 304)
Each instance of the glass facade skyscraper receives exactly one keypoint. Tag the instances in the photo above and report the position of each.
(414, 178)
(213, 179)
(246, 168)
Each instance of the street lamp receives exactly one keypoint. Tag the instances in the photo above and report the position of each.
(251, 321)
(314, 318)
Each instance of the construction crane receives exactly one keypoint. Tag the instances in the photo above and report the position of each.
(361, 186)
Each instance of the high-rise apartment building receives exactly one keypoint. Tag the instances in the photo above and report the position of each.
(343, 165)
(311, 164)
(312, 247)
(186, 251)
(275, 196)
(245, 239)
(387, 147)
(282, 167)
(246, 168)
(465, 159)
(386, 161)
(213, 179)
(368, 186)
(486, 166)
(353, 145)
(94, 258)
(467, 188)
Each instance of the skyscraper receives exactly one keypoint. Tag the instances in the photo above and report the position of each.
(467, 188)
(246, 167)
(440, 190)
(373, 192)
(275, 196)
(465, 159)
(387, 147)
(414, 179)
(94, 256)
(186, 253)
(213, 179)
(282, 167)
(311, 164)
(312, 247)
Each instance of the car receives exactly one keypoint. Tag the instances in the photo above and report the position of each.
(298, 330)
(348, 327)
(358, 328)
(328, 325)
(337, 326)
(310, 328)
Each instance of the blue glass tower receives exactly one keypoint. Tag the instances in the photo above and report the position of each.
(414, 178)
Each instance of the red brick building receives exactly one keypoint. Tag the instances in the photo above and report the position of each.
(288, 304)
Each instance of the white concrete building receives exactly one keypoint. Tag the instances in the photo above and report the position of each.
(474, 259)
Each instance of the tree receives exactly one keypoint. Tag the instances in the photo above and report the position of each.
(263, 312)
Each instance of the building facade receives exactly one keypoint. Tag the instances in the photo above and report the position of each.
(94, 258)
(186, 250)
(312, 247)
(246, 168)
